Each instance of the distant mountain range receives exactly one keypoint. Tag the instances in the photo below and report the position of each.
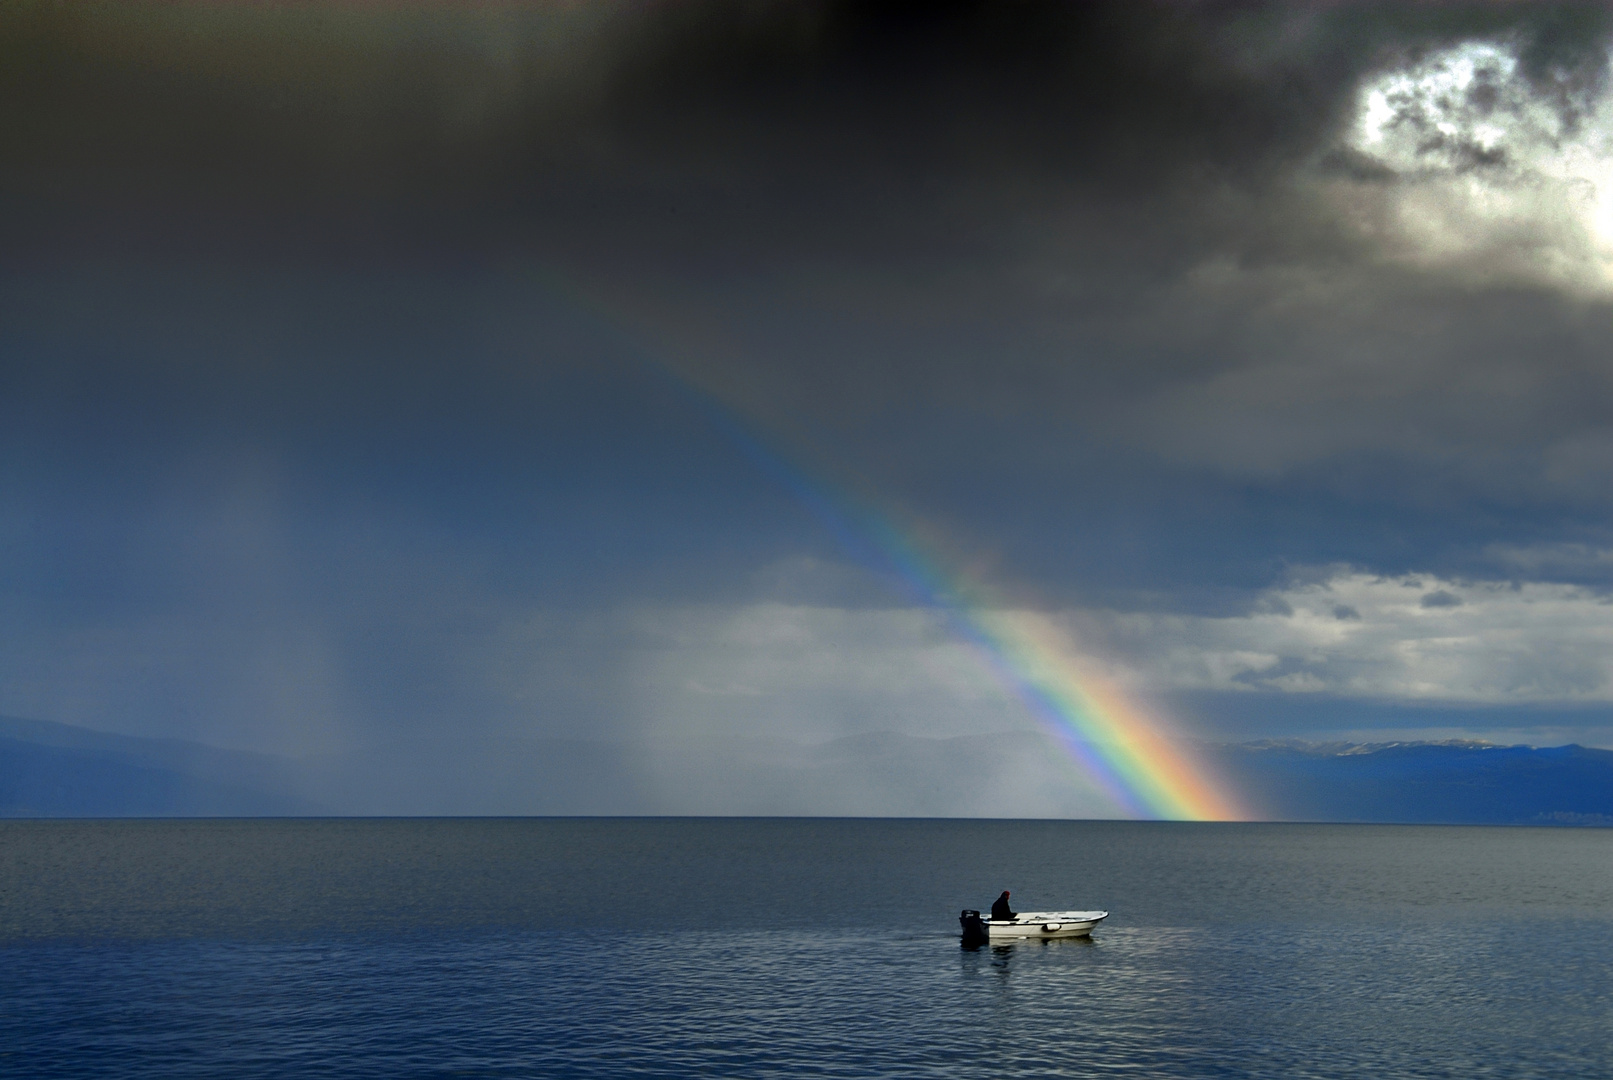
(56, 770)
(1454, 782)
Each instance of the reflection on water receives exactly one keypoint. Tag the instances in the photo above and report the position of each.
(1002, 951)
(427, 949)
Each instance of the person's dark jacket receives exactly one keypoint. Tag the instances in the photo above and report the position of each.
(999, 910)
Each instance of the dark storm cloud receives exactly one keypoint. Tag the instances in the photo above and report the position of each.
(709, 131)
(1106, 291)
(704, 138)
(477, 120)
(1052, 242)
(706, 131)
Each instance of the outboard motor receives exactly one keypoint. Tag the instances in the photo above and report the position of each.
(974, 931)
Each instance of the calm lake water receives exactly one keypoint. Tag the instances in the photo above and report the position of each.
(823, 948)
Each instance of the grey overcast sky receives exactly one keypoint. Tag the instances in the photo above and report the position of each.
(372, 372)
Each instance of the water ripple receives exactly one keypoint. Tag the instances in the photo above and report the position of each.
(1388, 989)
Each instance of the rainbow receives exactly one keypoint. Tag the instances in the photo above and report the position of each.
(1118, 744)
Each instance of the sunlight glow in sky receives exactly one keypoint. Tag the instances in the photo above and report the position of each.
(1492, 164)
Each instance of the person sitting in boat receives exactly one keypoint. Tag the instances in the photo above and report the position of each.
(999, 910)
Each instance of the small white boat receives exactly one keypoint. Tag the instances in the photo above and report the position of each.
(1044, 924)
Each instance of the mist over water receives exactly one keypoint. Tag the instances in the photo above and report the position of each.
(610, 947)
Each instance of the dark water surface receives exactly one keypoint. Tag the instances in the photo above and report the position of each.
(756, 948)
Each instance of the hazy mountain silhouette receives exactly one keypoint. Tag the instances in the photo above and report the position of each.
(1454, 782)
(56, 770)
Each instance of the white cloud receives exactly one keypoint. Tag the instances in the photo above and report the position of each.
(807, 673)
(1414, 638)
(1496, 172)
(815, 672)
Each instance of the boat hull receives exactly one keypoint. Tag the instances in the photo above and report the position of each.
(1044, 924)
